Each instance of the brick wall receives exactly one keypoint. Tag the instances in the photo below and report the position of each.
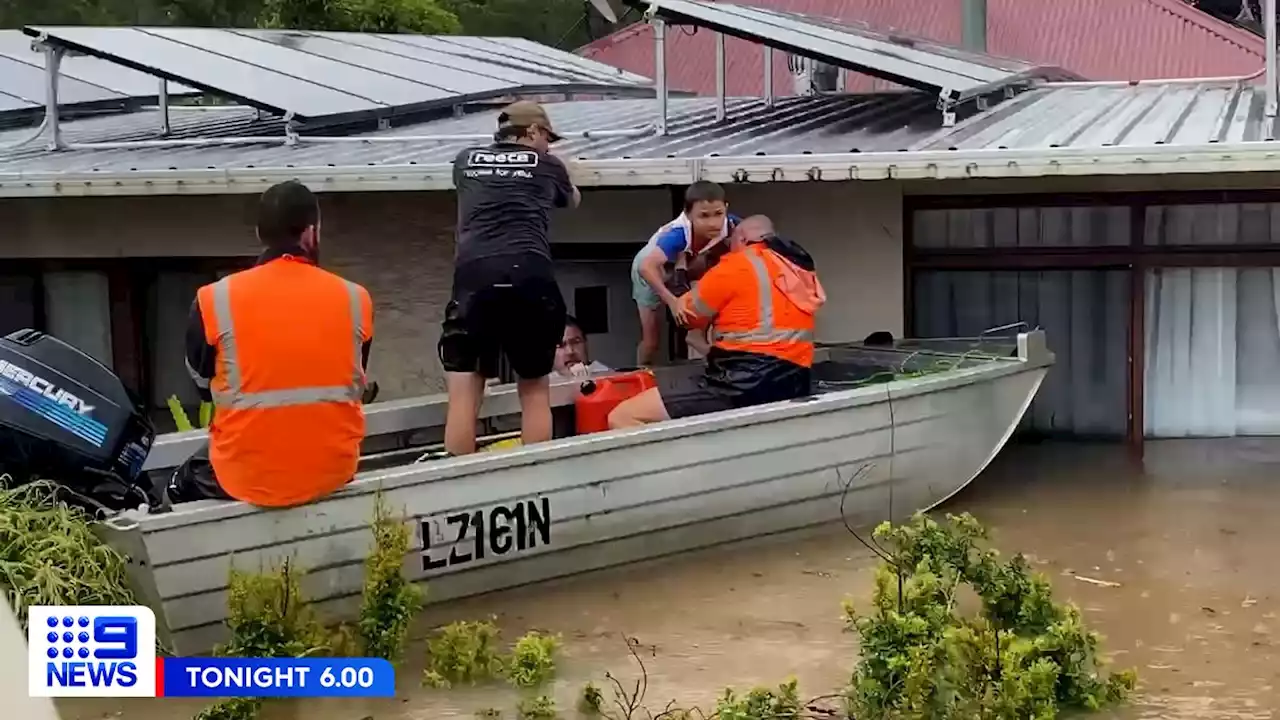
(400, 246)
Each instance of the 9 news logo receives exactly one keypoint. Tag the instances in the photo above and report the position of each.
(91, 651)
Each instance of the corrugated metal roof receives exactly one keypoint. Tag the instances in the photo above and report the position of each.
(1096, 39)
(835, 124)
(1205, 127)
(1186, 114)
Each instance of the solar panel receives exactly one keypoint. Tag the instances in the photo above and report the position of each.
(339, 76)
(83, 80)
(907, 61)
(12, 102)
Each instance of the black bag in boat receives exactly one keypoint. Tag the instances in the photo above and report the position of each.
(67, 418)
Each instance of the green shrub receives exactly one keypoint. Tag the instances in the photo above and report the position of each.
(267, 617)
(541, 707)
(51, 556)
(1023, 657)
(761, 704)
(390, 601)
(591, 700)
(464, 653)
(533, 661)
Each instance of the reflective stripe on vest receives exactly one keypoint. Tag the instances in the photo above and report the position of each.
(765, 332)
(235, 397)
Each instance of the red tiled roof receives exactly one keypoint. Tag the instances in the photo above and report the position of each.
(1097, 39)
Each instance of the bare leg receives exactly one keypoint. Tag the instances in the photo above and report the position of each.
(466, 391)
(643, 409)
(535, 409)
(650, 335)
(697, 342)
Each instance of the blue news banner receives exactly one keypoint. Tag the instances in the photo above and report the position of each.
(255, 677)
(110, 651)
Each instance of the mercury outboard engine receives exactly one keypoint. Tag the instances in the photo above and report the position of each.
(65, 417)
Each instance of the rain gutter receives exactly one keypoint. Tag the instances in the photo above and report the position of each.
(835, 167)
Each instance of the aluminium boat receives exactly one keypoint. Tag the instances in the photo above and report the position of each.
(888, 430)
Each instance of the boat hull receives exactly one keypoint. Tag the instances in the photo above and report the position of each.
(490, 522)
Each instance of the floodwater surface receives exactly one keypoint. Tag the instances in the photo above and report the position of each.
(1174, 561)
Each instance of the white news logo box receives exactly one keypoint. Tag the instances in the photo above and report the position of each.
(91, 651)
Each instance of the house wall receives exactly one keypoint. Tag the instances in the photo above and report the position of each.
(400, 246)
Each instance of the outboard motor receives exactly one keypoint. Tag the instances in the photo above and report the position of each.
(65, 417)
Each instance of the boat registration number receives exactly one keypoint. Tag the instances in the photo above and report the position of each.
(468, 536)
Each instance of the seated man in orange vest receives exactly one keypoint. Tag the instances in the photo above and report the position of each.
(760, 301)
(281, 350)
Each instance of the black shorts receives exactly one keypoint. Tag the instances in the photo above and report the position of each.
(733, 380)
(685, 396)
(507, 305)
(194, 480)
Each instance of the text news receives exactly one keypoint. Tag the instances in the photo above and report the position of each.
(267, 677)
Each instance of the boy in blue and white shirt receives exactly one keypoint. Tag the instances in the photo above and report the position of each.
(704, 223)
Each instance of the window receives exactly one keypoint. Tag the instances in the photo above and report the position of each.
(78, 311)
(591, 308)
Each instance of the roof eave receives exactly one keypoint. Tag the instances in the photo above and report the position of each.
(927, 165)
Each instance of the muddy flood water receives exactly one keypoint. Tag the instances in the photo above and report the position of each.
(1187, 549)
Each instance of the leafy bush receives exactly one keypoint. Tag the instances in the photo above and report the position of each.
(51, 556)
(542, 707)
(390, 601)
(533, 660)
(1023, 657)
(761, 703)
(268, 618)
(591, 700)
(463, 652)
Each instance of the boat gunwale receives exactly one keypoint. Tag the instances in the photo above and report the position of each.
(462, 468)
(387, 418)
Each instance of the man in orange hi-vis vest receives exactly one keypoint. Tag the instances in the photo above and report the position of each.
(281, 350)
(760, 301)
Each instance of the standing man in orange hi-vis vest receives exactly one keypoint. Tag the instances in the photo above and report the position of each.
(761, 301)
(281, 350)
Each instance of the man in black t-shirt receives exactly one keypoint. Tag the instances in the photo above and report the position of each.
(505, 298)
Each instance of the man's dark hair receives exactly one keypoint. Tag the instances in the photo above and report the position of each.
(572, 322)
(510, 133)
(702, 191)
(284, 212)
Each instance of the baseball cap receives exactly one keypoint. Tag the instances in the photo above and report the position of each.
(526, 113)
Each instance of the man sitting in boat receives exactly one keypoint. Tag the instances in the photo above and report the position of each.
(704, 223)
(762, 298)
(281, 351)
(573, 357)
